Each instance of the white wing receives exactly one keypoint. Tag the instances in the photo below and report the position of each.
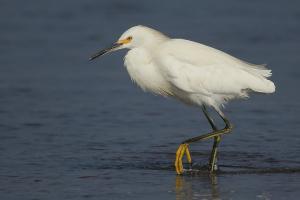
(196, 68)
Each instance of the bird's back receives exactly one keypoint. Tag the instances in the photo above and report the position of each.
(202, 55)
(198, 69)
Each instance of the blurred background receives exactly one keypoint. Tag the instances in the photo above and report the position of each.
(74, 129)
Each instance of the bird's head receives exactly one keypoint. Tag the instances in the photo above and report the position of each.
(137, 36)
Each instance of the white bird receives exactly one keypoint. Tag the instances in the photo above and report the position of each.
(191, 72)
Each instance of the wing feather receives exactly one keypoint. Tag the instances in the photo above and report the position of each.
(196, 68)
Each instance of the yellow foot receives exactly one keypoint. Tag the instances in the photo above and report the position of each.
(183, 148)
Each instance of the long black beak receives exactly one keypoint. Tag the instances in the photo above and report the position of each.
(104, 51)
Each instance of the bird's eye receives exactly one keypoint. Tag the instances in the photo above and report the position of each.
(129, 38)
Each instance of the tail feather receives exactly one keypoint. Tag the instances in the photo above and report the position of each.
(259, 80)
(261, 73)
(255, 69)
(267, 87)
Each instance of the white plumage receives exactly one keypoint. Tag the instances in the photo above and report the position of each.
(191, 72)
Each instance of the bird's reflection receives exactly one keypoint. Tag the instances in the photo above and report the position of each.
(194, 187)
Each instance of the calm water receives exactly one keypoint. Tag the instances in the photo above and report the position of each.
(71, 129)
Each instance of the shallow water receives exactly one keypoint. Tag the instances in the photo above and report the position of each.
(71, 129)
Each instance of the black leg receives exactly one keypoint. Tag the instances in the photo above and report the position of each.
(228, 127)
(210, 120)
(216, 134)
(183, 148)
(213, 156)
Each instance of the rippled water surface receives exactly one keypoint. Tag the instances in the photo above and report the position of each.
(71, 129)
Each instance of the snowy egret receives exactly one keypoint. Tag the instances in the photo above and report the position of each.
(193, 73)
